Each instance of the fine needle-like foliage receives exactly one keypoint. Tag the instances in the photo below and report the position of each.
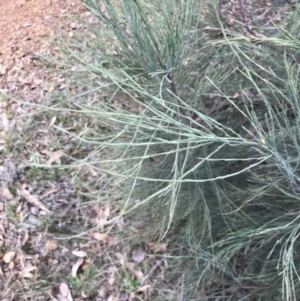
(200, 130)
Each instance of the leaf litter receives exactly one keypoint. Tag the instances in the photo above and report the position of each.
(30, 196)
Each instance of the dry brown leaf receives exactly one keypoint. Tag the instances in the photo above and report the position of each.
(92, 172)
(111, 240)
(51, 245)
(51, 88)
(5, 122)
(65, 292)
(26, 273)
(138, 254)
(85, 265)
(25, 237)
(2, 229)
(55, 157)
(121, 258)
(112, 271)
(11, 265)
(79, 253)
(131, 267)
(70, 128)
(120, 223)
(143, 289)
(135, 230)
(9, 256)
(52, 122)
(157, 247)
(2, 142)
(76, 266)
(22, 261)
(33, 200)
(5, 194)
(83, 295)
(1, 242)
(102, 215)
(64, 289)
(19, 208)
(50, 191)
(101, 236)
(7, 293)
(2, 69)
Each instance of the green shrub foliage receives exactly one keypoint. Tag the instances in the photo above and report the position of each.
(203, 135)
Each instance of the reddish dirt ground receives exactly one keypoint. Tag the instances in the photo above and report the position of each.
(26, 27)
(24, 23)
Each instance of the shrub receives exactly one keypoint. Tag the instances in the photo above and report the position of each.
(202, 137)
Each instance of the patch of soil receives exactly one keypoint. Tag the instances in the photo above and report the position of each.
(26, 27)
(25, 24)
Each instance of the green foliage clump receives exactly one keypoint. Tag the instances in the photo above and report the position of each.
(202, 136)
